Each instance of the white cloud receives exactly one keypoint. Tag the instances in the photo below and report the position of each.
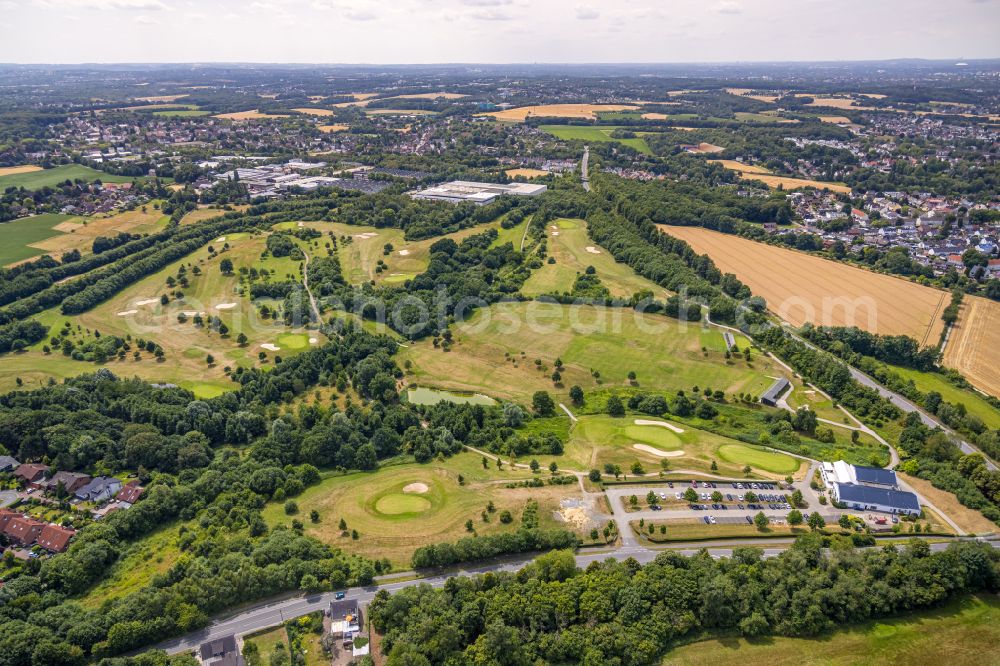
(142, 19)
(585, 13)
(729, 7)
(137, 5)
(360, 15)
(491, 15)
(486, 3)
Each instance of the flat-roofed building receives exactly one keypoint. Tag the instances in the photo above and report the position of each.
(460, 191)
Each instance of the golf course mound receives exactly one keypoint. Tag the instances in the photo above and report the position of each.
(396, 504)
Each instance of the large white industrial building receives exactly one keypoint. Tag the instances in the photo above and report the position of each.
(459, 191)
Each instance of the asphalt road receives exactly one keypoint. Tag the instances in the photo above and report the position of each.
(585, 169)
(271, 613)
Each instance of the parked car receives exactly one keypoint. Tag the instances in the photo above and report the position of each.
(339, 595)
(705, 519)
(711, 519)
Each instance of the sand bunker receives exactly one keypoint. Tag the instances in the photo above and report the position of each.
(669, 426)
(657, 452)
(301, 224)
(225, 306)
(190, 313)
(418, 488)
(220, 239)
(555, 233)
(403, 253)
(366, 235)
(313, 341)
(593, 250)
(147, 301)
(127, 313)
(270, 347)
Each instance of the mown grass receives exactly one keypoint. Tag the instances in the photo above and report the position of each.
(17, 234)
(959, 633)
(595, 134)
(392, 524)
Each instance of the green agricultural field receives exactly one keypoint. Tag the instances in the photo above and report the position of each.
(37, 179)
(598, 440)
(567, 242)
(932, 381)
(136, 311)
(17, 234)
(594, 134)
(494, 353)
(958, 634)
(401, 507)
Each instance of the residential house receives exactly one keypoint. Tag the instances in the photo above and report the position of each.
(55, 538)
(70, 482)
(220, 652)
(99, 489)
(5, 517)
(8, 464)
(23, 530)
(31, 473)
(130, 494)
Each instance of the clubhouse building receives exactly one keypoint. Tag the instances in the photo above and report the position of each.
(868, 489)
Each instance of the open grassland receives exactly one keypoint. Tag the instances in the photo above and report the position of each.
(959, 634)
(973, 401)
(574, 251)
(598, 440)
(753, 172)
(206, 213)
(588, 111)
(33, 180)
(248, 115)
(17, 236)
(974, 344)
(695, 529)
(494, 353)
(394, 514)
(79, 233)
(149, 556)
(24, 168)
(804, 396)
(968, 519)
(360, 256)
(595, 135)
(399, 112)
(802, 288)
(313, 111)
(136, 311)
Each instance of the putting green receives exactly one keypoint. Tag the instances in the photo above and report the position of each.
(293, 341)
(656, 436)
(758, 458)
(396, 504)
(399, 279)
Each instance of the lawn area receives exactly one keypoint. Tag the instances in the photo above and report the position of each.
(596, 440)
(804, 396)
(269, 642)
(512, 235)
(137, 311)
(932, 381)
(403, 506)
(957, 634)
(695, 529)
(34, 180)
(494, 353)
(595, 134)
(16, 235)
(567, 242)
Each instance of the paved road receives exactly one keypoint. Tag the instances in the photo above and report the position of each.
(274, 612)
(585, 168)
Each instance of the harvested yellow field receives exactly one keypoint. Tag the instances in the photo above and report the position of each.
(836, 103)
(79, 233)
(703, 148)
(745, 92)
(24, 168)
(248, 115)
(587, 111)
(733, 165)
(801, 288)
(753, 172)
(314, 112)
(836, 120)
(526, 173)
(160, 98)
(974, 344)
(968, 519)
(330, 129)
(654, 116)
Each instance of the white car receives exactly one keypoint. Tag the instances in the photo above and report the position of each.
(711, 519)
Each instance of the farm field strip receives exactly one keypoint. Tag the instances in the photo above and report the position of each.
(754, 172)
(587, 111)
(802, 288)
(974, 344)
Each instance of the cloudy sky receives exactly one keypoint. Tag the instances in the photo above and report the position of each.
(432, 31)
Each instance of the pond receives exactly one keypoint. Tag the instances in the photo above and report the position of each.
(422, 395)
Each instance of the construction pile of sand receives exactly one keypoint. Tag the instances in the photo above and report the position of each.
(576, 516)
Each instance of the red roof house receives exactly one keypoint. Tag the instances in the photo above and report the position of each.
(55, 538)
(23, 530)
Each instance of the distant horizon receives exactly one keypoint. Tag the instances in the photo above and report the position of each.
(494, 31)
